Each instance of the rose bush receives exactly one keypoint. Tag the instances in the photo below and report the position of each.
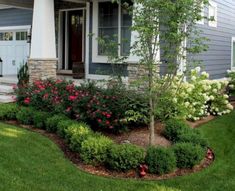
(101, 108)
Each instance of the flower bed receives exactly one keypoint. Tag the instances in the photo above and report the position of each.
(98, 150)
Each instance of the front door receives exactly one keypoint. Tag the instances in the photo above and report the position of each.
(73, 42)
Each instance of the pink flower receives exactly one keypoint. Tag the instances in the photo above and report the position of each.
(99, 120)
(107, 122)
(108, 115)
(72, 98)
(27, 100)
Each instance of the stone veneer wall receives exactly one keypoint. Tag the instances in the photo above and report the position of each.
(41, 69)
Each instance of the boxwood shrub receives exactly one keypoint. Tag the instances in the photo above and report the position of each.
(174, 128)
(40, 118)
(160, 160)
(63, 125)
(76, 134)
(188, 155)
(194, 137)
(52, 122)
(24, 115)
(8, 111)
(94, 149)
(124, 157)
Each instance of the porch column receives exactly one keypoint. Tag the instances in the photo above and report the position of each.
(43, 60)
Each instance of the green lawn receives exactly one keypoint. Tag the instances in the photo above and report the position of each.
(31, 162)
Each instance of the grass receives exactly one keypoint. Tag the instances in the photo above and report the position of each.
(31, 162)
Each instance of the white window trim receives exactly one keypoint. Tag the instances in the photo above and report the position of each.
(104, 59)
(232, 48)
(201, 22)
(213, 5)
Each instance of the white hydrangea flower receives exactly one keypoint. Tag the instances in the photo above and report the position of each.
(229, 106)
(187, 104)
(175, 100)
(198, 69)
(214, 90)
(229, 71)
(205, 74)
(193, 78)
(226, 96)
(212, 97)
(231, 86)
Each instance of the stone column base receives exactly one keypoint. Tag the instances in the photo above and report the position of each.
(41, 69)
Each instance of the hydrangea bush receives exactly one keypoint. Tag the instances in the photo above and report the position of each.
(198, 96)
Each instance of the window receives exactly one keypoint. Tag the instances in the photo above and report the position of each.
(233, 53)
(6, 36)
(21, 35)
(111, 21)
(212, 14)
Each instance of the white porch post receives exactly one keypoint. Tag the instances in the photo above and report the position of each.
(42, 62)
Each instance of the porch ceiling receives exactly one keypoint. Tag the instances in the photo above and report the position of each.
(29, 3)
(18, 3)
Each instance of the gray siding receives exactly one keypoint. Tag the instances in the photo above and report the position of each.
(15, 17)
(217, 60)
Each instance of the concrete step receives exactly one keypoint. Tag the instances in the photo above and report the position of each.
(8, 80)
(6, 89)
(7, 98)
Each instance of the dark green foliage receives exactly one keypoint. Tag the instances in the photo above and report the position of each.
(25, 115)
(174, 128)
(160, 160)
(193, 137)
(8, 111)
(76, 134)
(124, 157)
(63, 125)
(40, 118)
(52, 122)
(94, 149)
(23, 75)
(188, 155)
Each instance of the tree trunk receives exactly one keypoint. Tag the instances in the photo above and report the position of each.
(152, 122)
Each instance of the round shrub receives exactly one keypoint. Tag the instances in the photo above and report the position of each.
(24, 115)
(160, 160)
(94, 149)
(174, 128)
(75, 134)
(39, 119)
(188, 155)
(52, 122)
(63, 125)
(193, 137)
(8, 111)
(124, 157)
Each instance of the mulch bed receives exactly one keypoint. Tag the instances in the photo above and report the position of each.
(133, 138)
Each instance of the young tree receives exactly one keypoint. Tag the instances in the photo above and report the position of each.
(164, 24)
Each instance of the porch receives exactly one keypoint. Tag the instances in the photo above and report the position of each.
(57, 38)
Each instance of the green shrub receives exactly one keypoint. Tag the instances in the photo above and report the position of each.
(52, 122)
(160, 160)
(124, 157)
(188, 155)
(75, 134)
(24, 115)
(39, 119)
(194, 137)
(174, 128)
(94, 149)
(8, 111)
(63, 125)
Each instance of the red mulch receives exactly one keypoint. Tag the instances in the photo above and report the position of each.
(139, 137)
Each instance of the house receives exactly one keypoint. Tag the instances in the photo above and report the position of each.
(59, 37)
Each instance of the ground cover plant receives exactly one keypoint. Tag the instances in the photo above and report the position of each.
(21, 153)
